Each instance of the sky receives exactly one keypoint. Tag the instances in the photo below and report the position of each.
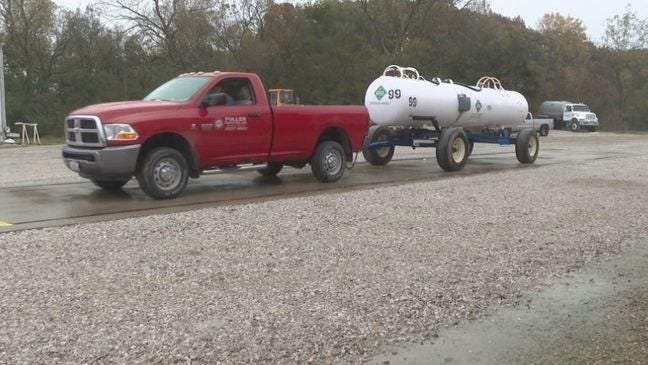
(593, 13)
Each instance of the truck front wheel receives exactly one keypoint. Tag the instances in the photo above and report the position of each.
(574, 126)
(328, 162)
(163, 173)
(544, 130)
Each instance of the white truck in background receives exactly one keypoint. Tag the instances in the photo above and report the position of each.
(576, 116)
(543, 126)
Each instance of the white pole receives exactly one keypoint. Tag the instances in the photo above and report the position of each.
(3, 112)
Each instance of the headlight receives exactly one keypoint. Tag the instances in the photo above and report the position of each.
(120, 132)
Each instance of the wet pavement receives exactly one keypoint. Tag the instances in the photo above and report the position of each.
(38, 206)
(595, 316)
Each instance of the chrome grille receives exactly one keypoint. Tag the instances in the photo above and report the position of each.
(590, 117)
(84, 131)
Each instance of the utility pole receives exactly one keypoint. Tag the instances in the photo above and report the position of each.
(3, 111)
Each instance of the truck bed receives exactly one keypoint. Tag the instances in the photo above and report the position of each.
(297, 127)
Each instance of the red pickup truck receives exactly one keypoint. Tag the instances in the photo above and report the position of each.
(208, 121)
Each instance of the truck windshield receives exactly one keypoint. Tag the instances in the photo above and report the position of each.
(581, 108)
(179, 90)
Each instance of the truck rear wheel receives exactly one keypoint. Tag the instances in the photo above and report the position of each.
(544, 130)
(379, 156)
(270, 169)
(527, 146)
(453, 149)
(163, 173)
(110, 184)
(328, 161)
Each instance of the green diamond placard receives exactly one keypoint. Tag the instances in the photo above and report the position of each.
(478, 106)
(380, 92)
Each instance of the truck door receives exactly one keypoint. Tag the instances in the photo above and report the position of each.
(239, 131)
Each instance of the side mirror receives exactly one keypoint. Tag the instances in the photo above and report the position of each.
(213, 100)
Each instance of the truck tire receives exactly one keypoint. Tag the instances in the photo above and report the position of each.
(270, 169)
(471, 146)
(592, 129)
(163, 173)
(110, 184)
(544, 130)
(527, 146)
(328, 162)
(574, 126)
(453, 149)
(380, 156)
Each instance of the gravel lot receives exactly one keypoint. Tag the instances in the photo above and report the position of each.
(316, 279)
(32, 165)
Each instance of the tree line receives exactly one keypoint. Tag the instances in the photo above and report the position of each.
(57, 60)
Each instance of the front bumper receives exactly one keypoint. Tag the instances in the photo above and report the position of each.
(108, 162)
(588, 123)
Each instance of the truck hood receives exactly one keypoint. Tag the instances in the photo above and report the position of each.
(119, 112)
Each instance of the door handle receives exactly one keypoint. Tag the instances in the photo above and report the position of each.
(254, 115)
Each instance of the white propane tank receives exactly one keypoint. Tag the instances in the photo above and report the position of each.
(401, 97)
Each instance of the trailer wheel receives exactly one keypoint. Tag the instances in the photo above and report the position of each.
(379, 156)
(270, 169)
(527, 146)
(544, 130)
(471, 146)
(163, 173)
(328, 161)
(574, 126)
(110, 184)
(453, 149)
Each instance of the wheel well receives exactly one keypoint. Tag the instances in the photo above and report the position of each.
(338, 135)
(174, 141)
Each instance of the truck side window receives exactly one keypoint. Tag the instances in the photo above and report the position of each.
(239, 91)
(569, 108)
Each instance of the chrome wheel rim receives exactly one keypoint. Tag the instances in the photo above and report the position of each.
(458, 150)
(574, 126)
(167, 174)
(332, 162)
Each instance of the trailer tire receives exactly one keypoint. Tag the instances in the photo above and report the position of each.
(328, 162)
(544, 130)
(452, 150)
(110, 184)
(270, 169)
(380, 156)
(163, 173)
(574, 126)
(527, 146)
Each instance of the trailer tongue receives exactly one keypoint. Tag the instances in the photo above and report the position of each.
(408, 110)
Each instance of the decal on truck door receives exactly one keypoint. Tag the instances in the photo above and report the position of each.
(236, 124)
